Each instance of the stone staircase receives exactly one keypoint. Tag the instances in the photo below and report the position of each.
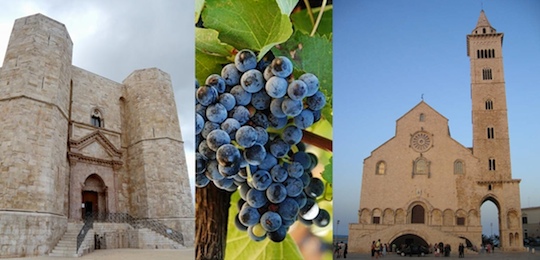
(67, 246)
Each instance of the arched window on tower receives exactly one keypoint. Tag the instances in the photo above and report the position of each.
(422, 117)
(489, 104)
(490, 133)
(381, 168)
(491, 164)
(483, 30)
(486, 74)
(96, 118)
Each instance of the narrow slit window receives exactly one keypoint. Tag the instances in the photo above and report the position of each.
(489, 104)
(492, 164)
(490, 133)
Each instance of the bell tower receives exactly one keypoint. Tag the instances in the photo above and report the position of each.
(489, 113)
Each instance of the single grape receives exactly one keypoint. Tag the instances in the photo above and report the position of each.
(312, 83)
(241, 96)
(317, 101)
(291, 107)
(304, 119)
(246, 136)
(252, 81)
(297, 90)
(255, 154)
(276, 193)
(201, 180)
(206, 95)
(256, 232)
(315, 188)
(225, 184)
(208, 127)
(303, 158)
(256, 198)
(322, 219)
(316, 115)
(262, 135)
(288, 209)
(294, 186)
(310, 210)
(314, 161)
(301, 199)
(260, 100)
(282, 66)
(230, 74)
(230, 170)
(279, 148)
(245, 60)
(199, 123)
(276, 87)
(292, 134)
(260, 180)
(227, 155)
(240, 113)
(267, 72)
(217, 138)
(239, 224)
(243, 189)
(216, 113)
(295, 169)
(200, 163)
(227, 100)
(306, 178)
(270, 221)
(278, 235)
(278, 173)
(217, 82)
(206, 151)
(248, 215)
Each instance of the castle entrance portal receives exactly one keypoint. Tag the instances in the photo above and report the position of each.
(94, 195)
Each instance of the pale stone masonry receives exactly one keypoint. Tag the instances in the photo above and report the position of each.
(73, 142)
(424, 187)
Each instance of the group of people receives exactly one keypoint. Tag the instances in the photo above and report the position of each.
(440, 249)
(379, 249)
(340, 249)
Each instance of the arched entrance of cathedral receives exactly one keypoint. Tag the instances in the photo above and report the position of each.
(409, 239)
(490, 219)
(94, 196)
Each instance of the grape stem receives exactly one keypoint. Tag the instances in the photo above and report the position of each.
(316, 140)
(310, 13)
(319, 17)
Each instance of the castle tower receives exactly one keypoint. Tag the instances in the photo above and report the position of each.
(34, 111)
(158, 173)
(491, 143)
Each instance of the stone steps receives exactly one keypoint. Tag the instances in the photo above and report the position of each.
(67, 245)
(154, 240)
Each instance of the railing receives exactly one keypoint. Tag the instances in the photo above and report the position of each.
(88, 224)
(152, 224)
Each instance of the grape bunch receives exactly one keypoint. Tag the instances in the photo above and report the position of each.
(249, 123)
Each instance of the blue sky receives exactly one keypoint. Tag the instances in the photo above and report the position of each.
(387, 54)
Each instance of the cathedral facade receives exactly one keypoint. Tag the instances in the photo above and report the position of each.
(75, 144)
(442, 184)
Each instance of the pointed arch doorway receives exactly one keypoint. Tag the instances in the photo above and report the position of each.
(94, 196)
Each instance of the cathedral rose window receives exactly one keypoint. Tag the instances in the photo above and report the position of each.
(421, 142)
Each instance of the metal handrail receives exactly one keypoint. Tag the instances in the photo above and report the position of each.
(88, 224)
(152, 224)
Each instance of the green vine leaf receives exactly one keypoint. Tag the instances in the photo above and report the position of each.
(328, 174)
(241, 246)
(302, 22)
(248, 24)
(210, 53)
(199, 4)
(313, 55)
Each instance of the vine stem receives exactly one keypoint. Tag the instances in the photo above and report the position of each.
(319, 17)
(316, 140)
(310, 13)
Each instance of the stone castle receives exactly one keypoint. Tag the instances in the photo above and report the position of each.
(74, 145)
(423, 187)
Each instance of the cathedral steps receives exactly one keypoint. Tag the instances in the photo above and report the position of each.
(149, 239)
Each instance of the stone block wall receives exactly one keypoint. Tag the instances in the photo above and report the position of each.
(28, 233)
